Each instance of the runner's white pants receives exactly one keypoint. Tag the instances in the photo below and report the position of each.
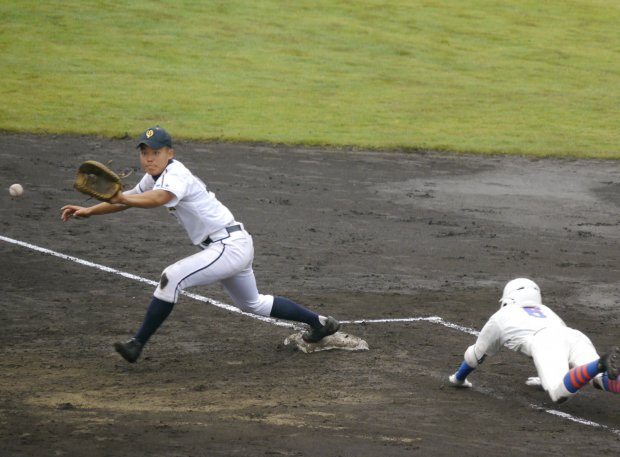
(556, 350)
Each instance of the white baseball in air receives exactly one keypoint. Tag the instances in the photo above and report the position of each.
(16, 190)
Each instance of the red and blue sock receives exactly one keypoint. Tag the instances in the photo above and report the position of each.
(579, 376)
(611, 385)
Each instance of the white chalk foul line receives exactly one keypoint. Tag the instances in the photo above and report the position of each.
(432, 319)
(579, 420)
(140, 279)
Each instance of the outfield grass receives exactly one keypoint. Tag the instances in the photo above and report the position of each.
(464, 75)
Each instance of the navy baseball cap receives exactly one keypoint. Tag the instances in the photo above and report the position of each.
(155, 137)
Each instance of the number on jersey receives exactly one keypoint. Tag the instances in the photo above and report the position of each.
(534, 311)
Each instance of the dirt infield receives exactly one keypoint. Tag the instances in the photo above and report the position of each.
(359, 235)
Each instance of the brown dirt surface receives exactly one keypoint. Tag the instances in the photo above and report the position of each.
(356, 234)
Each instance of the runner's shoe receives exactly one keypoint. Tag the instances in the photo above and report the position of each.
(456, 383)
(611, 363)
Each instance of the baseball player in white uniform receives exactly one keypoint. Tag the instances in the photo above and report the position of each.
(565, 358)
(226, 249)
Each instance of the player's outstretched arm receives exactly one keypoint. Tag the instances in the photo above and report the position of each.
(149, 199)
(69, 211)
(120, 202)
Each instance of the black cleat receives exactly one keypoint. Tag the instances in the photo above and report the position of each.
(315, 335)
(611, 363)
(130, 350)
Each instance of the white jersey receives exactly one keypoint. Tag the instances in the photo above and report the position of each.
(195, 207)
(514, 326)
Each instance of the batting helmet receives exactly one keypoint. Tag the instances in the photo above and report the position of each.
(521, 291)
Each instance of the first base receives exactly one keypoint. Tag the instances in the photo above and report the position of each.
(338, 340)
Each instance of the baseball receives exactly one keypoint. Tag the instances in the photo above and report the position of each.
(16, 190)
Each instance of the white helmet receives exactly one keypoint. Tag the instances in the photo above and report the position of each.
(521, 291)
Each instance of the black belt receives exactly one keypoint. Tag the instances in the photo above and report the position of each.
(231, 229)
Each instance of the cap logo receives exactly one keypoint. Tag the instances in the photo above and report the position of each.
(149, 133)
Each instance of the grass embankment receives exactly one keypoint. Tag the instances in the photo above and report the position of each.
(464, 75)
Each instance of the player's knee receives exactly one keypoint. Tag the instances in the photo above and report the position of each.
(163, 281)
(170, 278)
(168, 287)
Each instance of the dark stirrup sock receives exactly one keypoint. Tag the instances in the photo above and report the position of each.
(156, 314)
(283, 308)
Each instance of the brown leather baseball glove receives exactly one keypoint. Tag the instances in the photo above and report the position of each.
(95, 179)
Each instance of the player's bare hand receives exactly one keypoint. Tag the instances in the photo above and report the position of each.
(69, 211)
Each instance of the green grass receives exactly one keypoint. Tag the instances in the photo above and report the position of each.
(463, 75)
